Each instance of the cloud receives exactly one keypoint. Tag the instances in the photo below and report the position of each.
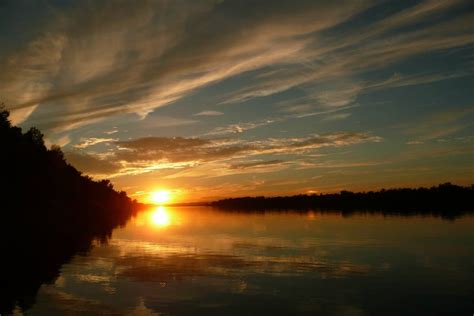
(143, 155)
(255, 164)
(28, 75)
(332, 140)
(176, 149)
(371, 47)
(136, 57)
(293, 112)
(91, 142)
(329, 164)
(241, 127)
(133, 58)
(58, 140)
(209, 113)
(301, 108)
(91, 164)
(162, 143)
(399, 80)
(337, 117)
(438, 124)
(112, 131)
(414, 142)
(340, 93)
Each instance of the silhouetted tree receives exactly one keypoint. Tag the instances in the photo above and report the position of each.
(36, 137)
(446, 199)
(49, 212)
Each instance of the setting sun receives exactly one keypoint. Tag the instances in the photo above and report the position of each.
(160, 197)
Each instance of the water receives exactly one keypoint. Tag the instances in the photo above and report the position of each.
(199, 261)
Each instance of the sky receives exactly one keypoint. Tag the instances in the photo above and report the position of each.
(224, 98)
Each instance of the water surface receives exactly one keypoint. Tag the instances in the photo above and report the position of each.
(201, 261)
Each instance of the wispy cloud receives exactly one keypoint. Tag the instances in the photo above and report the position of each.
(415, 142)
(138, 59)
(337, 117)
(255, 164)
(91, 142)
(209, 113)
(240, 127)
(332, 61)
(29, 74)
(153, 153)
(437, 125)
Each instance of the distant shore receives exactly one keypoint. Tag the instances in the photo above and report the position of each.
(446, 198)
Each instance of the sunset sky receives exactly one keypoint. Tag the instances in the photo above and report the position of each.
(221, 98)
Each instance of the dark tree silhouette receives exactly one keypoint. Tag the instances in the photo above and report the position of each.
(49, 213)
(447, 200)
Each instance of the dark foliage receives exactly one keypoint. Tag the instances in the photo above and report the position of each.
(445, 200)
(49, 213)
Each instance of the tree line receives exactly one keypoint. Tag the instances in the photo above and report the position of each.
(49, 213)
(447, 200)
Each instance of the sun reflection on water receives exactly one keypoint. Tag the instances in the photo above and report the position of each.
(160, 217)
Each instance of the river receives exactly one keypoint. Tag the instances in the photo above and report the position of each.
(202, 261)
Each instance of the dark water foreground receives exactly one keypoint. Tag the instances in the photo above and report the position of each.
(202, 261)
(34, 246)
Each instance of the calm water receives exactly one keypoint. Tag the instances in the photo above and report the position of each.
(199, 261)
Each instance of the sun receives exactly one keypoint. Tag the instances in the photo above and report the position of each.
(160, 196)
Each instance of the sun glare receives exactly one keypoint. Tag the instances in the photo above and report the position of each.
(160, 197)
(160, 217)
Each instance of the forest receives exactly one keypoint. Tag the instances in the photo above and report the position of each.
(446, 200)
(49, 213)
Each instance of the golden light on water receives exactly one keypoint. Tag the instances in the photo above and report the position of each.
(160, 217)
(160, 196)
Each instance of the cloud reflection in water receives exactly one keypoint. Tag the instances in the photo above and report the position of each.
(210, 262)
